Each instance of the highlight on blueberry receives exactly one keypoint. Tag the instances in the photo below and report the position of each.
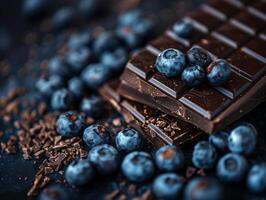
(193, 75)
(219, 140)
(183, 28)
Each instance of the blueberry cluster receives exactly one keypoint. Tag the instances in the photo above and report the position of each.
(195, 66)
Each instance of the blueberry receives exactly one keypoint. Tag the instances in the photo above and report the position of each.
(89, 8)
(79, 40)
(144, 27)
(218, 72)
(104, 158)
(115, 60)
(63, 17)
(198, 56)
(96, 134)
(107, 41)
(168, 186)
(35, 8)
(193, 75)
(130, 18)
(203, 188)
(243, 139)
(53, 192)
(257, 178)
(170, 62)
(138, 166)
(128, 140)
(78, 58)
(95, 75)
(70, 124)
(57, 66)
(169, 158)
(219, 140)
(79, 173)
(92, 106)
(204, 155)
(48, 85)
(130, 37)
(76, 86)
(183, 28)
(62, 99)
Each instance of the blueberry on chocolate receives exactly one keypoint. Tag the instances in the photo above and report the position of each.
(218, 72)
(170, 62)
(70, 124)
(198, 56)
(169, 158)
(104, 158)
(219, 140)
(92, 106)
(168, 186)
(232, 168)
(62, 99)
(193, 75)
(183, 28)
(138, 166)
(256, 181)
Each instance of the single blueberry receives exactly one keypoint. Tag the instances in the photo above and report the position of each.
(218, 72)
(198, 56)
(115, 60)
(96, 134)
(170, 62)
(35, 8)
(80, 39)
(89, 8)
(169, 158)
(129, 36)
(95, 75)
(232, 168)
(92, 106)
(70, 124)
(183, 28)
(144, 27)
(204, 155)
(130, 18)
(168, 186)
(193, 75)
(104, 158)
(138, 166)
(79, 173)
(203, 188)
(63, 17)
(128, 140)
(78, 58)
(57, 66)
(76, 86)
(62, 99)
(219, 140)
(243, 139)
(48, 85)
(257, 178)
(54, 192)
(107, 41)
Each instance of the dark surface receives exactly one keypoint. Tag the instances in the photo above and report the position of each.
(13, 168)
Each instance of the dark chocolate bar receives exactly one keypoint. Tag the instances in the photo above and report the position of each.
(232, 30)
(157, 127)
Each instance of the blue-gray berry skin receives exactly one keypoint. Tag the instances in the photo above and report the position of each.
(79, 173)
(63, 17)
(193, 75)
(170, 62)
(169, 158)
(76, 86)
(107, 41)
(46, 86)
(130, 18)
(128, 140)
(62, 99)
(54, 192)
(138, 166)
(34, 9)
(70, 124)
(198, 56)
(78, 58)
(203, 188)
(256, 181)
(92, 106)
(57, 66)
(243, 139)
(219, 140)
(89, 8)
(218, 72)
(232, 168)
(81, 39)
(96, 135)
(104, 158)
(95, 75)
(168, 186)
(204, 155)
(183, 29)
(129, 37)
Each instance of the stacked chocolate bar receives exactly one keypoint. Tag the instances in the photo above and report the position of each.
(169, 112)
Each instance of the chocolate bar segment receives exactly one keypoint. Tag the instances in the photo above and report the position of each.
(256, 48)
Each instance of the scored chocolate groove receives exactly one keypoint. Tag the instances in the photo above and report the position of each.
(235, 32)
